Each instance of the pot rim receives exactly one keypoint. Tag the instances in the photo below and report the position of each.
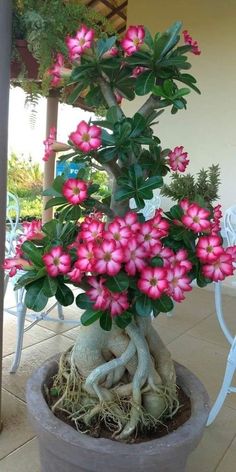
(41, 413)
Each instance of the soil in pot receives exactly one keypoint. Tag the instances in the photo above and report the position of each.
(102, 430)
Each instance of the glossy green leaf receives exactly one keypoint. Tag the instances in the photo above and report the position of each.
(123, 320)
(55, 202)
(164, 304)
(104, 44)
(105, 321)
(35, 298)
(33, 252)
(50, 286)
(118, 283)
(83, 301)
(90, 316)
(144, 83)
(143, 305)
(64, 295)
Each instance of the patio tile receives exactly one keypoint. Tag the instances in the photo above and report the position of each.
(32, 357)
(199, 304)
(16, 429)
(24, 459)
(206, 360)
(72, 312)
(209, 329)
(228, 463)
(214, 444)
(33, 336)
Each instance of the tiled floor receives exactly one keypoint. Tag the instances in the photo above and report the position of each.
(192, 335)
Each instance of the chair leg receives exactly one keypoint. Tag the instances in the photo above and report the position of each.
(21, 312)
(60, 312)
(225, 388)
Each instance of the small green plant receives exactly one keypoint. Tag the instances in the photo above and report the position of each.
(205, 183)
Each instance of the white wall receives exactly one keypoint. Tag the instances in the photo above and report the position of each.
(208, 128)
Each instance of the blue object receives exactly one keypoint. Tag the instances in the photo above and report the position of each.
(68, 169)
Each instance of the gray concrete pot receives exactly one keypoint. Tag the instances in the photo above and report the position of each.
(63, 449)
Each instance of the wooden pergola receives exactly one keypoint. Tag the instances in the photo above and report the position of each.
(116, 12)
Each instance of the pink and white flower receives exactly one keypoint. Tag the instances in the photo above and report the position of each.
(120, 235)
(147, 236)
(108, 258)
(134, 256)
(133, 39)
(153, 282)
(118, 303)
(138, 70)
(178, 159)
(87, 138)
(130, 220)
(184, 204)
(114, 51)
(80, 42)
(196, 218)
(75, 274)
(98, 293)
(209, 248)
(85, 257)
(178, 283)
(180, 259)
(75, 191)
(48, 143)
(220, 268)
(232, 251)
(160, 224)
(13, 264)
(57, 261)
(58, 71)
(92, 231)
(189, 40)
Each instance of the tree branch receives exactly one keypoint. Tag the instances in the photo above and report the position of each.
(152, 103)
(109, 95)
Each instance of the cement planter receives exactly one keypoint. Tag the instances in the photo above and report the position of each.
(62, 449)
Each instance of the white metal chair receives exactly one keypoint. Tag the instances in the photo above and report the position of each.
(226, 387)
(19, 309)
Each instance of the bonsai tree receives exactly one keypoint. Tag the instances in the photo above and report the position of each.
(128, 270)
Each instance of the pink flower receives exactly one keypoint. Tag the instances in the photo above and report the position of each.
(138, 70)
(75, 274)
(134, 256)
(160, 224)
(130, 220)
(232, 251)
(98, 294)
(196, 218)
(120, 235)
(147, 236)
(178, 160)
(166, 254)
(184, 204)
(56, 70)
(178, 283)
(219, 269)
(153, 282)
(48, 144)
(209, 248)
(80, 42)
(118, 303)
(13, 264)
(75, 191)
(85, 257)
(92, 231)
(86, 138)
(180, 259)
(114, 51)
(57, 261)
(189, 40)
(108, 258)
(215, 223)
(133, 39)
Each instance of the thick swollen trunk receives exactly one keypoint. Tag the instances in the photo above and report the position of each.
(108, 370)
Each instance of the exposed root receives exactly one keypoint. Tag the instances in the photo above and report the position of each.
(126, 384)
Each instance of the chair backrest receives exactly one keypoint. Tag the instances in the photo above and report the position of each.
(12, 222)
(230, 225)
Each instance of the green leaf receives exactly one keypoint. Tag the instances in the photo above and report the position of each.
(143, 305)
(156, 262)
(150, 184)
(148, 38)
(90, 316)
(83, 301)
(64, 295)
(28, 277)
(75, 213)
(50, 286)
(76, 93)
(50, 228)
(35, 299)
(33, 253)
(113, 114)
(164, 304)
(144, 83)
(103, 45)
(107, 138)
(107, 154)
(55, 201)
(176, 212)
(58, 184)
(124, 320)
(118, 283)
(105, 321)
(138, 126)
(124, 194)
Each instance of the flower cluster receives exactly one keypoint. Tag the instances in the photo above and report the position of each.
(191, 42)
(48, 143)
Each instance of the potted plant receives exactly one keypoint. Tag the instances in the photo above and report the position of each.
(102, 404)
